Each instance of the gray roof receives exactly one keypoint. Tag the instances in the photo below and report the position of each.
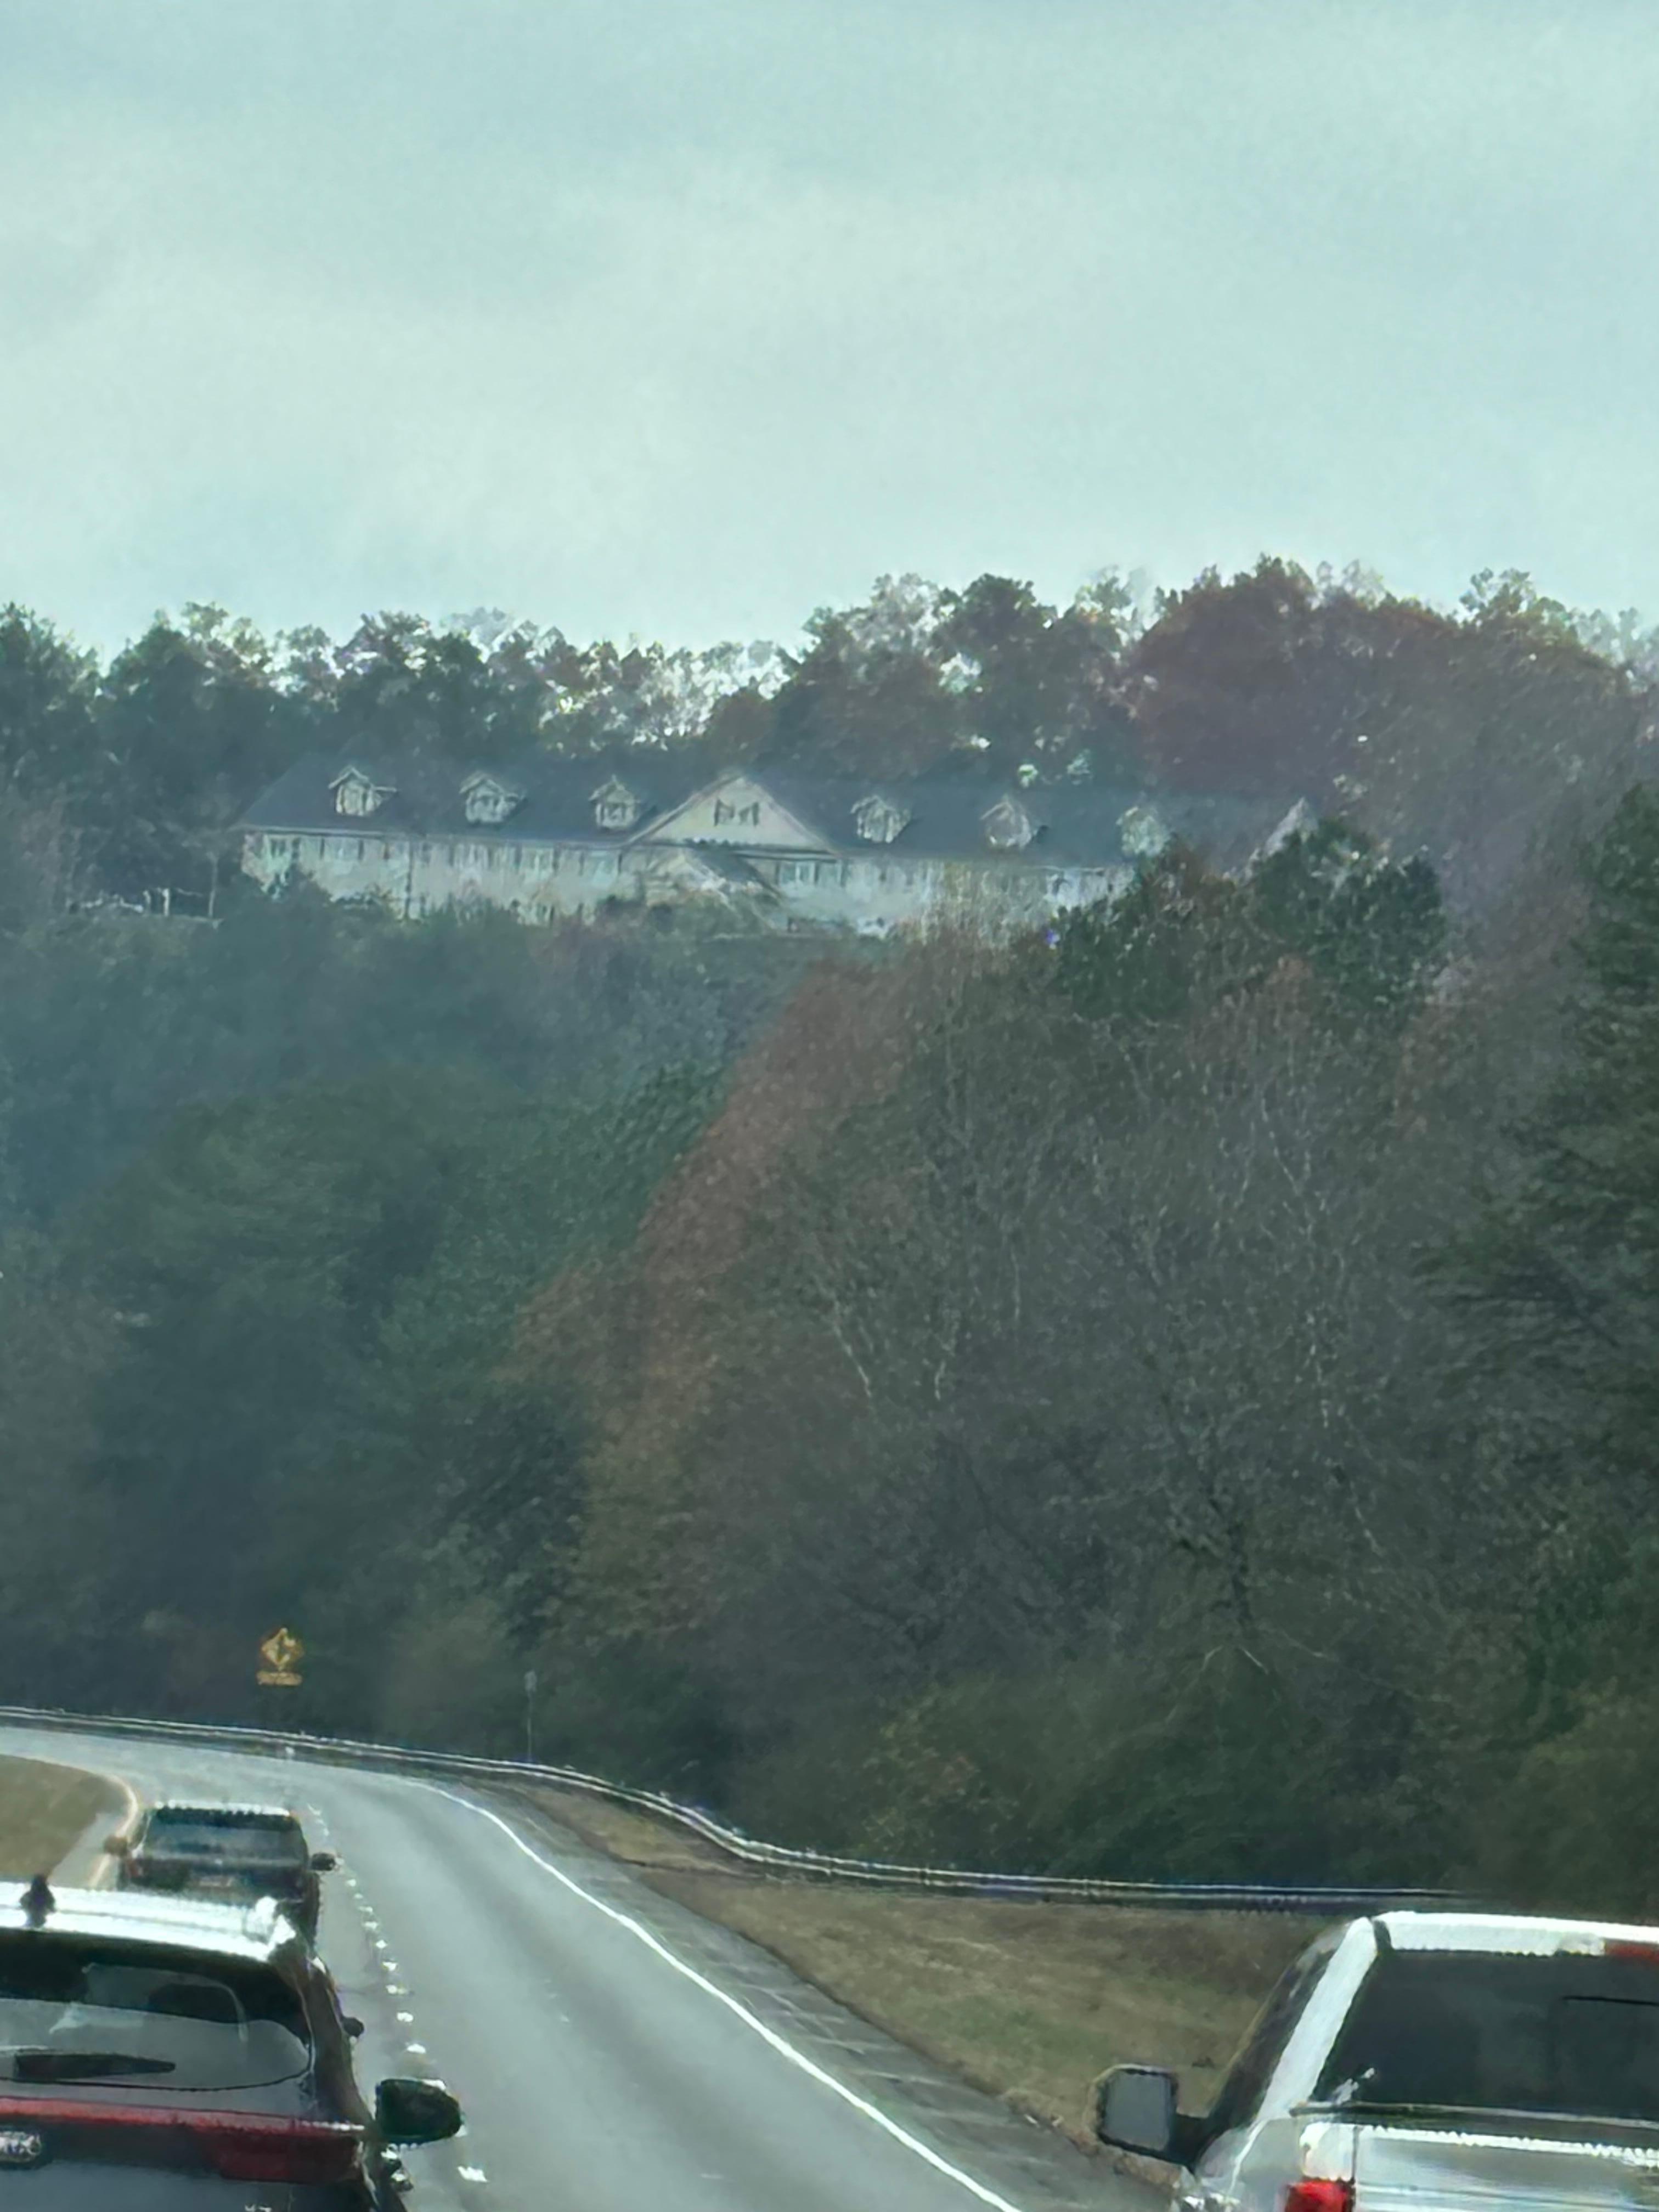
(138, 1916)
(428, 799)
(1078, 824)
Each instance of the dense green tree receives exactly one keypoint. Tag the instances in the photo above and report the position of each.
(48, 737)
(1372, 928)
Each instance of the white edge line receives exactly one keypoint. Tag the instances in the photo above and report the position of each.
(751, 2020)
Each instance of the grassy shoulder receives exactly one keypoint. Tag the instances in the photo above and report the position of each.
(45, 1810)
(1029, 2002)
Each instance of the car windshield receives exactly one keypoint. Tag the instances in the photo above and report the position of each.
(1567, 2034)
(232, 1842)
(74, 2010)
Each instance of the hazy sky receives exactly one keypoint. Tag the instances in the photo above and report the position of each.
(680, 317)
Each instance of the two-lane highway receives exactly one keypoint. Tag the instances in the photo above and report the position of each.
(612, 2053)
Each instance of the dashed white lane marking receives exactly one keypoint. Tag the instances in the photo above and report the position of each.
(751, 2020)
(472, 2173)
(406, 2020)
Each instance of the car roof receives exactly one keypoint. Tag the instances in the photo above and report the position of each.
(1538, 1934)
(223, 1812)
(258, 1930)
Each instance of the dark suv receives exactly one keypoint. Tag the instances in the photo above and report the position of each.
(231, 1852)
(155, 2048)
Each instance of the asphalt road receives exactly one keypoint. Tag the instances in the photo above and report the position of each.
(613, 2052)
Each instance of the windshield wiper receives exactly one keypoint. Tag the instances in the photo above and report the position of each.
(41, 2065)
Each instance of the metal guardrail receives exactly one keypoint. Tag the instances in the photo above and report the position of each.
(747, 1850)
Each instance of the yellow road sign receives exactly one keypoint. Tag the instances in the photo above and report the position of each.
(282, 1651)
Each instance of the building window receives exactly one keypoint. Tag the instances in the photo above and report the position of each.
(878, 820)
(486, 798)
(615, 807)
(357, 793)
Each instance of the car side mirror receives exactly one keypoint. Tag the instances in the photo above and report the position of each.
(351, 2024)
(1135, 2110)
(409, 2112)
(118, 1847)
(322, 1861)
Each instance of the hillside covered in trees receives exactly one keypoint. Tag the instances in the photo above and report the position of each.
(1168, 1399)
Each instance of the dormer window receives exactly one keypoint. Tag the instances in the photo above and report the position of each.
(356, 792)
(1144, 831)
(880, 820)
(486, 798)
(615, 807)
(1007, 826)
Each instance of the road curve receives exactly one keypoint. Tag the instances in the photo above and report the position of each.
(614, 2052)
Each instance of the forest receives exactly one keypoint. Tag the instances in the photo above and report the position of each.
(1166, 1397)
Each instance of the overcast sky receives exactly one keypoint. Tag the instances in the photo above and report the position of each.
(680, 317)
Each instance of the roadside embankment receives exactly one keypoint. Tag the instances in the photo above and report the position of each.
(1029, 2002)
(54, 1818)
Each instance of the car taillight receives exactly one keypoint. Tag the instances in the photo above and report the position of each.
(241, 2146)
(1318, 2196)
(303, 2151)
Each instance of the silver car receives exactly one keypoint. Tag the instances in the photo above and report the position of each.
(1419, 2060)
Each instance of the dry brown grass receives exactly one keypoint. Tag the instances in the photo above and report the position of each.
(1029, 2002)
(44, 1811)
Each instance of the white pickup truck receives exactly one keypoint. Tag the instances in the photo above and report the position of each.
(1427, 2061)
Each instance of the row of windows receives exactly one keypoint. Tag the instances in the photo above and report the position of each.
(847, 871)
(342, 851)
(542, 860)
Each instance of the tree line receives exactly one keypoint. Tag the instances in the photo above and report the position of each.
(1465, 732)
(1167, 1395)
